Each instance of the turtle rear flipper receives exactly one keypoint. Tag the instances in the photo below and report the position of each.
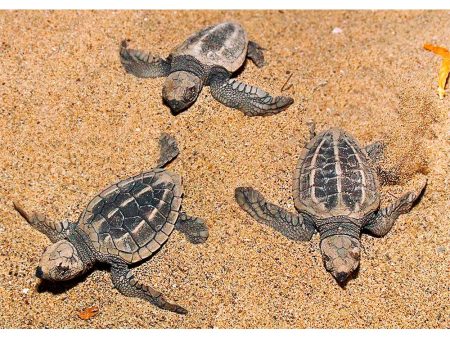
(375, 152)
(168, 149)
(55, 231)
(193, 228)
(255, 53)
(251, 100)
(124, 281)
(142, 64)
(289, 224)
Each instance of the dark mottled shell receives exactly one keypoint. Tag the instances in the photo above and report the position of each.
(223, 45)
(333, 178)
(133, 218)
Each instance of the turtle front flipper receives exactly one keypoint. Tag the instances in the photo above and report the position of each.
(124, 281)
(255, 53)
(289, 224)
(193, 228)
(142, 64)
(251, 100)
(168, 149)
(386, 217)
(55, 231)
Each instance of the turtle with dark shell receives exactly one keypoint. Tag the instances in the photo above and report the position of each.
(123, 225)
(207, 58)
(336, 193)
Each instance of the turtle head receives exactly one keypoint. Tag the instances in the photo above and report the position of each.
(341, 255)
(180, 90)
(60, 262)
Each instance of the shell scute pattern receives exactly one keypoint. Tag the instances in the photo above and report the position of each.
(333, 177)
(223, 45)
(110, 194)
(100, 224)
(126, 185)
(140, 194)
(134, 217)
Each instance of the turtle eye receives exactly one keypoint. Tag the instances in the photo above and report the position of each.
(355, 254)
(327, 261)
(189, 94)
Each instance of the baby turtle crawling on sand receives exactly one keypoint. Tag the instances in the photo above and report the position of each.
(336, 193)
(123, 225)
(208, 57)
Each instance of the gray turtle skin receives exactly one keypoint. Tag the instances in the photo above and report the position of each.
(123, 225)
(336, 193)
(207, 58)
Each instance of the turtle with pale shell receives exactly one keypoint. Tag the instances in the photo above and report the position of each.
(208, 57)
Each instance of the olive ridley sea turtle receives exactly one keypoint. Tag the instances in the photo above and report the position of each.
(336, 192)
(123, 225)
(208, 57)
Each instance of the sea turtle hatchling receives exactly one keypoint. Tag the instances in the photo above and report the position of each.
(208, 57)
(336, 192)
(123, 225)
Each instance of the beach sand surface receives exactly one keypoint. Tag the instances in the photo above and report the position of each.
(73, 122)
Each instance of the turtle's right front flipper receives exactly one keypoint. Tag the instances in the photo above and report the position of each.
(127, 285)
(55, 231)
(289, 224)
(251, 100)
(142, 64)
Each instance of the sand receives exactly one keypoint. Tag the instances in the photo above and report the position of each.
(73, 122)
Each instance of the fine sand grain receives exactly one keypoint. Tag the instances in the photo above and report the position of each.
(73, 122)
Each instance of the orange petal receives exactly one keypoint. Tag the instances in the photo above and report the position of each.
(437, 50)
(443, 75)
(445, 66)
(88, 313)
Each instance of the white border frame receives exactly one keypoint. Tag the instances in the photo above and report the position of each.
(225, 4)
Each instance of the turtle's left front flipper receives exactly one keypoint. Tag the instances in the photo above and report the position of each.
(55, 231)
(386, 217)
(193, 228)
(124, 281)
(251, 100)
(289, 224)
